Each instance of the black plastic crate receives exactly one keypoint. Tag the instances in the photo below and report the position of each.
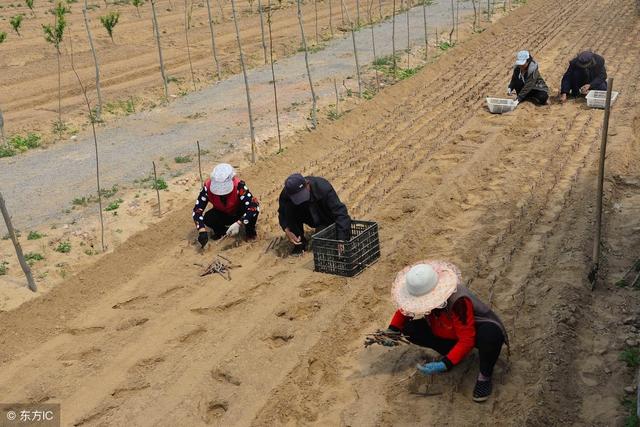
(361, 251)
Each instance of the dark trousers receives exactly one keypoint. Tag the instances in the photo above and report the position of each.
(538, 97)
(219, 222)
(489, 340)
(574, 81)
(302, 215)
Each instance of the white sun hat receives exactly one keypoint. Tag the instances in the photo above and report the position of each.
(222, 179)
(424, 286)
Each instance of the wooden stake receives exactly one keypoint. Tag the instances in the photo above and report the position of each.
(16, 244)
(330, 19)
(187, 18)
(408, 34)
(273, 78)
(453, 22)
(373, 43)
(213, 40)
(155, 184)
(264, 43)
(2, 137)
(393, 36)
(246, 83)
(95, 144)
(95, 60)
(157, 31)
(314, 118)
(355, 49)
(199, 164)
(335, 87)
(593, 276)
(426, 37)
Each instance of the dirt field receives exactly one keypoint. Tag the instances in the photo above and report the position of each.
(129, 65)
(140, 339)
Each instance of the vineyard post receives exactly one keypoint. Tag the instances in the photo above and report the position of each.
(593, 276)
(157, 187)
(92, 121)
(213, 40)
(95, 60)
(16, 244)
(246, 83)
(264, 43)
(373, 44)
(355, 49)
(393, 36)
(199, 163)
(273, 76)
(314, 118)
(408, 34)
(335, 87)
(330, 19)
(187, 24)
(426, 37)
(154, 18)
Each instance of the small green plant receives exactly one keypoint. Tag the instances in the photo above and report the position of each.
(109, 22)
(30, 5)
(3, 36)
(89, 252)
(631, 406)
(23, 143)
(332, 114)
(59, 127)
(621, 283)
(3, 267)
(183, 159)
(6, 151)
(114, 205)
(384, 61)
(79, 201)
(445, 45)
(405, 73)
(314, 48)
(63, 247)
(126, 106)
(631, 356)
(137, 4)
(34, 235)
(160, 184)
(368, 94)
(16, 22)
(32, 257)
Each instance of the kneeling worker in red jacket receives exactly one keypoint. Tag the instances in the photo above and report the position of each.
(435, 310)
(233, 206)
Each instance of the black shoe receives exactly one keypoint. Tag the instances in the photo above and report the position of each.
(482, 391)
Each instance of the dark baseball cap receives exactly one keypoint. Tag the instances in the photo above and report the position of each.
(295, 188)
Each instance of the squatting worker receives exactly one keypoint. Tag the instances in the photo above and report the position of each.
(233, 206)
(586, 72)
(435, 310)
(310, 200)
(526, 81)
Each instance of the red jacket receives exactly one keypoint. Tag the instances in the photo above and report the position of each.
(455, 324)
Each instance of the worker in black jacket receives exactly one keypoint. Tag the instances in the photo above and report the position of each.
(586, 72)
(311, 200)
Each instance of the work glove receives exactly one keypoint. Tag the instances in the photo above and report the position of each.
(203, 238)
(508, 91)
(516, 102)
(233, 229)
(432, 368)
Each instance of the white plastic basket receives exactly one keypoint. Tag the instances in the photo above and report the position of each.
(598, 98)
(499, 105)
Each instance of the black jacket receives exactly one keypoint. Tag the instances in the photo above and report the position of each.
(324, 206)
(575, 77)
(533, 80)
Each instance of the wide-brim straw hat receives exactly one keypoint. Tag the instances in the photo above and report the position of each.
(418, 300)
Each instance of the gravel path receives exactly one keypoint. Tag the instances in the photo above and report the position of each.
(216, 116)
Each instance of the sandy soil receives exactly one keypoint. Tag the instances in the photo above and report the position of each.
(139, 338)
(129, 64)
